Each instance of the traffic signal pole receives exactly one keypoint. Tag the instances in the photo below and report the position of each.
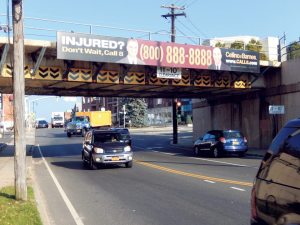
(175, 122)
(173, 15)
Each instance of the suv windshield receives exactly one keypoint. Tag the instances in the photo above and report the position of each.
(79, 119)
(107, 137)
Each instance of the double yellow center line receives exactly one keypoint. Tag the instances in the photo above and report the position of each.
(197, 176)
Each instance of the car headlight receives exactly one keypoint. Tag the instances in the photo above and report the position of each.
(98, 150)
(127, 149)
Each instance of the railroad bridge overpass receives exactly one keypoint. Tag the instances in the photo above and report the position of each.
(46, 74)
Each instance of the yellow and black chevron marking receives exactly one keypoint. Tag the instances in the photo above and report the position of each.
(86, 75)
(134, 78)
(108, 77)
(153, 80)
(81, 75)
(7, 71)
(202, 81)
(184, 81)
(48, 73)
(27, 72)
(223, 81)
(242, 82)
(239, 84)
(74, 74)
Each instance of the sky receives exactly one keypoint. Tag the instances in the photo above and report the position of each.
(204, 19)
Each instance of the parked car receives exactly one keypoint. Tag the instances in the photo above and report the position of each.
(275, 197)
(220, 142)
(125, 134)
(101, 147)
(41, 124)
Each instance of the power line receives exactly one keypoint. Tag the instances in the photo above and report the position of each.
(186, 27)
(191, 3)
(191, 39)
(201, 32)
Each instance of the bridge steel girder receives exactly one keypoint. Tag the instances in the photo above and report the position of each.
(38, 60)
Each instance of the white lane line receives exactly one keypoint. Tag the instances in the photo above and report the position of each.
(239, 189)
(166, 153)
(227, 163)
(62, 193)
(209, 181)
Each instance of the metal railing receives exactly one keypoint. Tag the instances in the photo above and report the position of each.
(39, 27)
(291, 51)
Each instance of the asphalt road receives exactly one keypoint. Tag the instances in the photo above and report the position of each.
(167, 184)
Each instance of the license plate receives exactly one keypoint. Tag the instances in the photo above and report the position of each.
(235, 142)
(115, 158)
(78, 130)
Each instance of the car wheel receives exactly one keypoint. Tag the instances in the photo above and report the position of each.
(128, 164)
(83, 160)
(92, 164)
(69, 134)
(241, 154)
(83, 132)
(216, 153)
(197, 151)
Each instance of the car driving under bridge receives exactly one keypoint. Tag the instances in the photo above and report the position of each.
(62, 68)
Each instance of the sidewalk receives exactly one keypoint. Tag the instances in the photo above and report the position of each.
(7, 157)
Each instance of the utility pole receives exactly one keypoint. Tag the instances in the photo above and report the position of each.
(173, 16)
(19, 101)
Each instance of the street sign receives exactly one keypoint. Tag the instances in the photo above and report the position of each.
(169, 72)
(276, 109)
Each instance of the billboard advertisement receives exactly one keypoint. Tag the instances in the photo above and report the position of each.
(97, 48)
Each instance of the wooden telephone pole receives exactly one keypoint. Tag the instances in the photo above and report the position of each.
(19, 101)
(173, 16)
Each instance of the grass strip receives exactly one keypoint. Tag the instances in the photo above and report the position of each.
(18, 212)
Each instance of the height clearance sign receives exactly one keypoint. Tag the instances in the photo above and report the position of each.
(97, 48)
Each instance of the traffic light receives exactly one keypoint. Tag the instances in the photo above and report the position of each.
(178, 105)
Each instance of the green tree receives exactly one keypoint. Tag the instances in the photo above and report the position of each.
(74, 110)
(237, 45)
(256, 46)
(136, 111)
(220, 45)
(294, 50)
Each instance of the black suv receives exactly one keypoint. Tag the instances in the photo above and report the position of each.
(101, 147)
(276, 192)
